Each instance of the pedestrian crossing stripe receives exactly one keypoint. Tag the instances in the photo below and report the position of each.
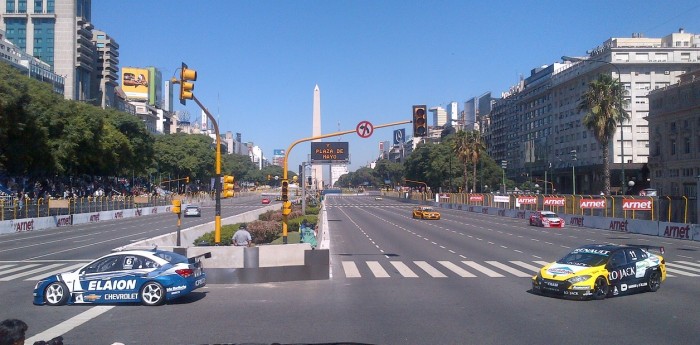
(473, 269)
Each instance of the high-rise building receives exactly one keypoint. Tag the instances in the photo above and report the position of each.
(106, 75)
(452, 114)
(29, 65)
(439, 116)
(59, 33)
(537, 125)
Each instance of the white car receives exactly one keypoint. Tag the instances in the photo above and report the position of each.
(192, 211)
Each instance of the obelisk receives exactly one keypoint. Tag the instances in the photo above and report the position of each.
(317, 169)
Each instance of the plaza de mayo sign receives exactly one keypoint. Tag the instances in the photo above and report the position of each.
(331, 152)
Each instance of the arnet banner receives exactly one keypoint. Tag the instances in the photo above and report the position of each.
(527, 200)
(476, 198)
(636, 205)
(592, 203)
(551, 201)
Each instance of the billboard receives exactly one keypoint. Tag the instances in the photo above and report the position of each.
(278, 152)
(135, 83)
(399, 136)
(329, 152)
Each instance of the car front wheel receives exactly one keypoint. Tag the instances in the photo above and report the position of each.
(56, 294)
(601, 288)
(152, 293)
(654, 282)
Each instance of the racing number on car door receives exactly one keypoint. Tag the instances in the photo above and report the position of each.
(621, 270)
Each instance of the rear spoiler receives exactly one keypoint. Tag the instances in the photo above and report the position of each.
(650, 249)
(197, 258)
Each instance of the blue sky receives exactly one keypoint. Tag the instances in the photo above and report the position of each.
(258, 61)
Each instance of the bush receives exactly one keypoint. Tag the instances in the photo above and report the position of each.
(312, 210)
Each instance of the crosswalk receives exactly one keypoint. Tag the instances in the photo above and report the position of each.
(470, 269)
(33, 270)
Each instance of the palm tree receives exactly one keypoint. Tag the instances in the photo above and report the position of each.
(468, 147)
(604, 106)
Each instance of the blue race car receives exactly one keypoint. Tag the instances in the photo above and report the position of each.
(151, 277)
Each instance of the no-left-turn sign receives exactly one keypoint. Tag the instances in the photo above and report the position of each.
(364, 129)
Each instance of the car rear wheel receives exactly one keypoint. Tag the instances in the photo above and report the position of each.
(152, 293)
(601, 288)
(654, 282)
(56, 294)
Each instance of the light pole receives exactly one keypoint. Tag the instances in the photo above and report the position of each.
(573, 170)
(619, 105)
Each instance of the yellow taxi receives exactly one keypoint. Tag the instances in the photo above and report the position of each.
(425, 212)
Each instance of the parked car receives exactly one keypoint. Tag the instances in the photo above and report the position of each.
(150, 277)
(193, 211)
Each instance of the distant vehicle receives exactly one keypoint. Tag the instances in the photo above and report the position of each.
(192, 211)
(547, 219)
(378, 198)
(648, 192)
(425, 212)
(265, 201)
(150, 277)
(597, 271)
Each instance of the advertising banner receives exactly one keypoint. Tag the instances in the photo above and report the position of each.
(526, 200)
(476, 198)
(501, 198)
(592, 203)
(278, 152)
(554, 201)
(636, 205)
(135, 83)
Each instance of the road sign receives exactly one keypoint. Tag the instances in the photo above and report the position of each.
(399, 136)
(364, 129)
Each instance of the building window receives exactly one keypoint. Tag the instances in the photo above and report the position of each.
(657, 148)
(10, 6)
(50, 6)
(22, 6)
(38, 6)
(673, 146)
(686, 145)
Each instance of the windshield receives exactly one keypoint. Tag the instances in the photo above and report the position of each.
(550, 215)
(171, 257)
(585, 257)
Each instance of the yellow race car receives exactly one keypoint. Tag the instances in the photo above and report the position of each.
(425, 212)
(596, 271)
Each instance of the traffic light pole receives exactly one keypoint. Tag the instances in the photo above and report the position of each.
(217, 178)
(286, 160)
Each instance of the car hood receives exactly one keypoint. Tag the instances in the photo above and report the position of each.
(555, 271)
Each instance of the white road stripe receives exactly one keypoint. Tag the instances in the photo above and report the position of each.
(675, 265)
(526, 265)
(542, 262)
(5, 266)
(688, 263)
(69, 324)
(432, 271)
(28, 273)
(60, 270)
(350, 269)
(403, 269)
(377, 269)
(19, 268)
(683, 273)
(456, 269)
(482, 269)
(509, 269)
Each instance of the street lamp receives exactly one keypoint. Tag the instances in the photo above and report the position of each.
(573, 170)
(622, 132)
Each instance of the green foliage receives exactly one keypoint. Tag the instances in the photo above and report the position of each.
(312, 210)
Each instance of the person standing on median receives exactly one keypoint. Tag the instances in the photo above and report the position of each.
(242, 237)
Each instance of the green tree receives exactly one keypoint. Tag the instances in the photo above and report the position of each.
(604, 104)
(468, 147)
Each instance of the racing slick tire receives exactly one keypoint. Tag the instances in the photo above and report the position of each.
(56, 294)
(152, 294)
(600, 288)
(654, 282)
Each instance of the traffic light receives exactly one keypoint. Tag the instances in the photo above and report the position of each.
(186, 87)
(177, 203)
(285, 190)
(227, 187)
(420, 121)
(286, 208)
(187, 179)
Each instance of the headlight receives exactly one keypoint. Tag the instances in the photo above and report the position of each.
(578, 279)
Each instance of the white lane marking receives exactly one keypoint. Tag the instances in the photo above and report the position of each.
(60, 270)
(403, 269)
(377, 269)
(675, 265)
(69, 324)
(5, 266)
(668, 269)
(19, 268)
(432, 271)
(456, 269)
(526, 265)
(28, 273)
(542, 262)
(509, 269)
(350, 269)
(482, 269)
(688, 263)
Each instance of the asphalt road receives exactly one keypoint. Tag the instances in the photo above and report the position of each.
(395, 280)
